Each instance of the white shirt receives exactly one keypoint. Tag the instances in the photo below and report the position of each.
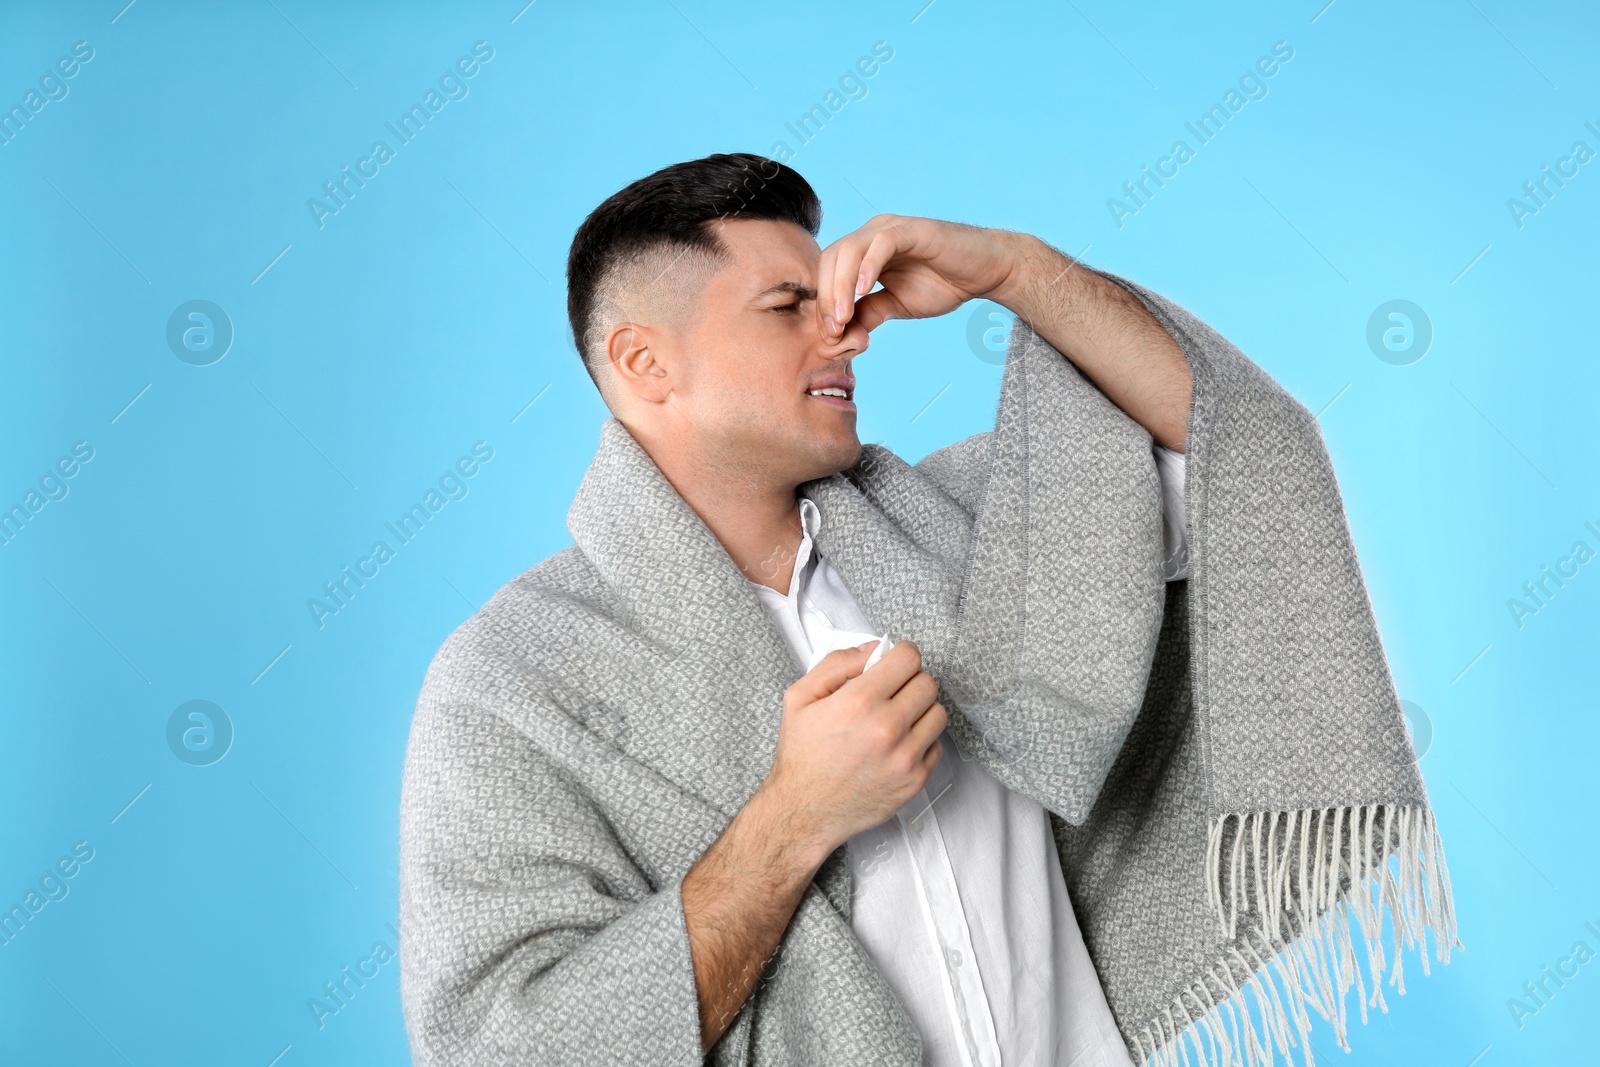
(959, 898)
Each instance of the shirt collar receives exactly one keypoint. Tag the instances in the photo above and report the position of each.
(805, 554)
(810, 517)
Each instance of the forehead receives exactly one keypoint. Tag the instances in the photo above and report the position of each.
(767, 251)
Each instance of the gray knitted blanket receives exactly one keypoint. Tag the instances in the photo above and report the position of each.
(1227, 772)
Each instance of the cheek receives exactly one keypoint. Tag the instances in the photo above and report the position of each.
(728, 385)
(756, 390)
(761, 375)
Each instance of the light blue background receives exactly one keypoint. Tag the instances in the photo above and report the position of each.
(429, 312)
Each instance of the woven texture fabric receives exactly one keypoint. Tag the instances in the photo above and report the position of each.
(1226, 768)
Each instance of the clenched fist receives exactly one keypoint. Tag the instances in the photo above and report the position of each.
(854, 745)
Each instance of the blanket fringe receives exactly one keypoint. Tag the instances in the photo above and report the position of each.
(1285, 887)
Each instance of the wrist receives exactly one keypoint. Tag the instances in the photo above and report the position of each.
(796, 840)
(1022, 255)
(1042, 282)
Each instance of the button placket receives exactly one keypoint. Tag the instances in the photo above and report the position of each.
(936, 882)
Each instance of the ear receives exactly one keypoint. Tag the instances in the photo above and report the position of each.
(638, 366)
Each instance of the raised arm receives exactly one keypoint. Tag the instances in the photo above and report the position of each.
(1106, 332)
(931, 267)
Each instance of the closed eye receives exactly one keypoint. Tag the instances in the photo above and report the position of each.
(787, 309)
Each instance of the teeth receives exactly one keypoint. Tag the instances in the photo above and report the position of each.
(832, 390)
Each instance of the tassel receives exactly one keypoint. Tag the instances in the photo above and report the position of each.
(1294, 899)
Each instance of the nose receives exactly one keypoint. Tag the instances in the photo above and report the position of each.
(853, 340)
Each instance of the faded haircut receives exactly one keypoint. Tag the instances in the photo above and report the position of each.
(646, 252)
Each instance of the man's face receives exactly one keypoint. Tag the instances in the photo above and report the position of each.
(745, 362)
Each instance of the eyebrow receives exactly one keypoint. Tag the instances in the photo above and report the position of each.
(796, 289)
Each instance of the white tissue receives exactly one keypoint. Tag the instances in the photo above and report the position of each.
(884, 645)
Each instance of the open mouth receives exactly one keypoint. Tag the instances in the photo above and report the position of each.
(838, 396)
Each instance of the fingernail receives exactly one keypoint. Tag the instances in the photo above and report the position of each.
(861, 285)
(829, 326)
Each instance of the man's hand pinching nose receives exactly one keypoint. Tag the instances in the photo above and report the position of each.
(928, 267)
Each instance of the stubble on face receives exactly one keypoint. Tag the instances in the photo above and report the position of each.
(762, 357)
(741, 357)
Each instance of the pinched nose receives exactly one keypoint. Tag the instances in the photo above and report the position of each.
(853, 339)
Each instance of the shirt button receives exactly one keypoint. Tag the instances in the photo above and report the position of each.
(955, 958)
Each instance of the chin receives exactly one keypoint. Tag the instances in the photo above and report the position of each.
(808, 454)
(843, 455)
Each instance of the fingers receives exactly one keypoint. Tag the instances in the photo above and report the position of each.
(898, 678)
(831, 673)
(875, 309)
(878, 252)
(884, 678)
(914, 699)
(825, 298)
(836, 276)
(839, 271)
(924, 733)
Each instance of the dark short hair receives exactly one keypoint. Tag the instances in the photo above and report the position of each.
(675, 208)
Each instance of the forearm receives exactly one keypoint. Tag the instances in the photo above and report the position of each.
(737, 902)
(1106, 332)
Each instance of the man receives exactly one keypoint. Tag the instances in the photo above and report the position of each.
(613, 825)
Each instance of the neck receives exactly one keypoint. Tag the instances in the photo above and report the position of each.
(754, 517)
